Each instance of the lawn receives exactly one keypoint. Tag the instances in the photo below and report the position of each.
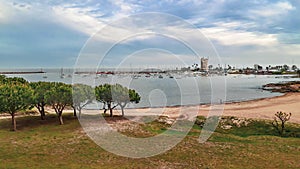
(45, 144)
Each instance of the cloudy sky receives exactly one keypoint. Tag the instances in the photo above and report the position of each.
(52, 33)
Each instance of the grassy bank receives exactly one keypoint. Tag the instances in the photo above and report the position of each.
(45, 144)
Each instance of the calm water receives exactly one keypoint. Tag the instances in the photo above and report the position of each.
(180, 90)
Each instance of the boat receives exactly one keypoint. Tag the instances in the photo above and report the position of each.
(135, 76)
(62, 75)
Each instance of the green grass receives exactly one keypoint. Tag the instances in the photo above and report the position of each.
(259, 127)
(45, 144)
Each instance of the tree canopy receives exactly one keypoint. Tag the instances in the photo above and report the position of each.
(15, 95)
(38, 98)
(115, 94)
(59, 96)
(82, 96)
(122, 96)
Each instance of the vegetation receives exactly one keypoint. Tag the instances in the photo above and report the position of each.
(40, 89)
(82, 96)
(59, 96)
(104, 95)
(280, 120)
(33, 147)
(234, 144)
(15, 96)
(123, 96)
(115, 95)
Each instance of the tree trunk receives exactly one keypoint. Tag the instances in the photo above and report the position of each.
(111, 112)
(42, 113)
(13, 121)
(75, 114)
(41, 109)
(61, 122)
(282, 128)
(122, 109)
(110, 109)
(79, 112)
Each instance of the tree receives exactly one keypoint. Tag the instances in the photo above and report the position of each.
(82, 96)
(2, 77)
(285, 67)
(115, 95)
(279, 121)
(59, 96)
(39, 90)
(104, 95)
(14, 80)
(122, 96)
(294, 67)
(15, 96)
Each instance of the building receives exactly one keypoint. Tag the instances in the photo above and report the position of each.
(204, 64)
(257, 67)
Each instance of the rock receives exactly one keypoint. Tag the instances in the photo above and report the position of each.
(226, 127)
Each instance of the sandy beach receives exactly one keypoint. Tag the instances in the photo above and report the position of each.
(255, 109)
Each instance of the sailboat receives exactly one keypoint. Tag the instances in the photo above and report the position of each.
(62, 75)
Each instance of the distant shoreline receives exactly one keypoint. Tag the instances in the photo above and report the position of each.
(22, 72)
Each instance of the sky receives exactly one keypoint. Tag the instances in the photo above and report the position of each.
(54, 33)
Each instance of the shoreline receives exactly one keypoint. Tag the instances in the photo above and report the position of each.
(262, 108)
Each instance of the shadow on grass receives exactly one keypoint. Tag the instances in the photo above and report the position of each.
(29, 122)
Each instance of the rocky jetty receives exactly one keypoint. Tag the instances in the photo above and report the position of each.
(286, 87)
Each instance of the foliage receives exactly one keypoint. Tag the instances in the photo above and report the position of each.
(104, 95)
(15, 96)
(116, 94)
(294, 67)
(122, 96)
(279, 122)
(249, 127)
(59, 96)
(40, 88)
(2, 77)
(82, 96)
(12, 80)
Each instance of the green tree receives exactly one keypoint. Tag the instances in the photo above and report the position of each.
(82, 96)
(104, 95)
(38, 99)
(279, 122)
(285, 67)
(59, 96)
(294, 67)
(115, 95)
(122, 96)
(14, 96)
(14, 80)
(2, 77)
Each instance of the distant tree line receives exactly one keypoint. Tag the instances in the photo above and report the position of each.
(17, 94)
